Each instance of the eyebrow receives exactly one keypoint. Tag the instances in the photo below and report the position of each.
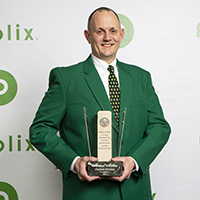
(104, 29)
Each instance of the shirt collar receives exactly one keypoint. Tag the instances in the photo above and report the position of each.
(98, 63)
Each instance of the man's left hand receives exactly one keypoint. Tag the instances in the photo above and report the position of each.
(128, 165)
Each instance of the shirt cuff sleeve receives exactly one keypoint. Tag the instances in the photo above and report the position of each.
(73, 163)
(136, 165)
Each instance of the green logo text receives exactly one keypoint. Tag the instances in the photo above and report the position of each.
(15, 144)
(16, 33)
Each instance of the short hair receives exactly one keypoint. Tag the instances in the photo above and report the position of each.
(100, 10)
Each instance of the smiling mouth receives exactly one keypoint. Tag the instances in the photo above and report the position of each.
(107, 45)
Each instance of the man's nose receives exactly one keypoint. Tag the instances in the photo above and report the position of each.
(107, 36)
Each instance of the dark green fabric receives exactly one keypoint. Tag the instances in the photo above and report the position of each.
(145, 133)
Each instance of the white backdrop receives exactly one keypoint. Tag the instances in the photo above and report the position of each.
(36, 36)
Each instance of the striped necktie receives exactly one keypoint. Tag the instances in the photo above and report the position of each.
(114, 93)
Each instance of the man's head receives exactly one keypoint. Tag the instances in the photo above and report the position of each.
(104, 34)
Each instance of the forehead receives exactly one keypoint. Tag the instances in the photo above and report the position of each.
(104, 19)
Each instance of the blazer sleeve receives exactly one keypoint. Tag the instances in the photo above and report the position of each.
(156, 133)
(45, 126)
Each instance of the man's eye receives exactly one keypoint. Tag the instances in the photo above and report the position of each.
(113, 31)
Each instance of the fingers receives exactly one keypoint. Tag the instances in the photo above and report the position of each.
(80, 168)
(128, 165)
(81, 165)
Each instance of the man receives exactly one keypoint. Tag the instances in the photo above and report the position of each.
(86, 85)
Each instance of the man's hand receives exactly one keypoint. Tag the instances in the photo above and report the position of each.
(128, 165)
(80, 168)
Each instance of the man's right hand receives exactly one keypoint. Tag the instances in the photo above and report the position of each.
(80, 168)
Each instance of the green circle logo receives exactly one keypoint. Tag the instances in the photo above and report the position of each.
(129, 30)
(9, 191)
(1, 34)
(8, 87)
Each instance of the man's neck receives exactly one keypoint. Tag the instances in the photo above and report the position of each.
(102, 62)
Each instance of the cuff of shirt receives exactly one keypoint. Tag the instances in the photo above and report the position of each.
(136, 165)
(73, 163)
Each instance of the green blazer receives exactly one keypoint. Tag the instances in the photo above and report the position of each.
(145, 132)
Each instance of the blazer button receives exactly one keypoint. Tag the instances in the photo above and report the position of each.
(122, 143)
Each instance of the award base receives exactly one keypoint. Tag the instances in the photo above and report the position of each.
(105, 168)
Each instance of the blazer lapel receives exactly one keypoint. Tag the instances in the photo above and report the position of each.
(125, 91)
(95, 84)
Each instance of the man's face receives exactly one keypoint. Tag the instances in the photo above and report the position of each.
(105, 35)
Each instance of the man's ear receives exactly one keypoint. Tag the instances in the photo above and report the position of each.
(122, 34)
(87, 35)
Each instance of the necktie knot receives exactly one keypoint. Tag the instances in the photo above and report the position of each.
(111, 69)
